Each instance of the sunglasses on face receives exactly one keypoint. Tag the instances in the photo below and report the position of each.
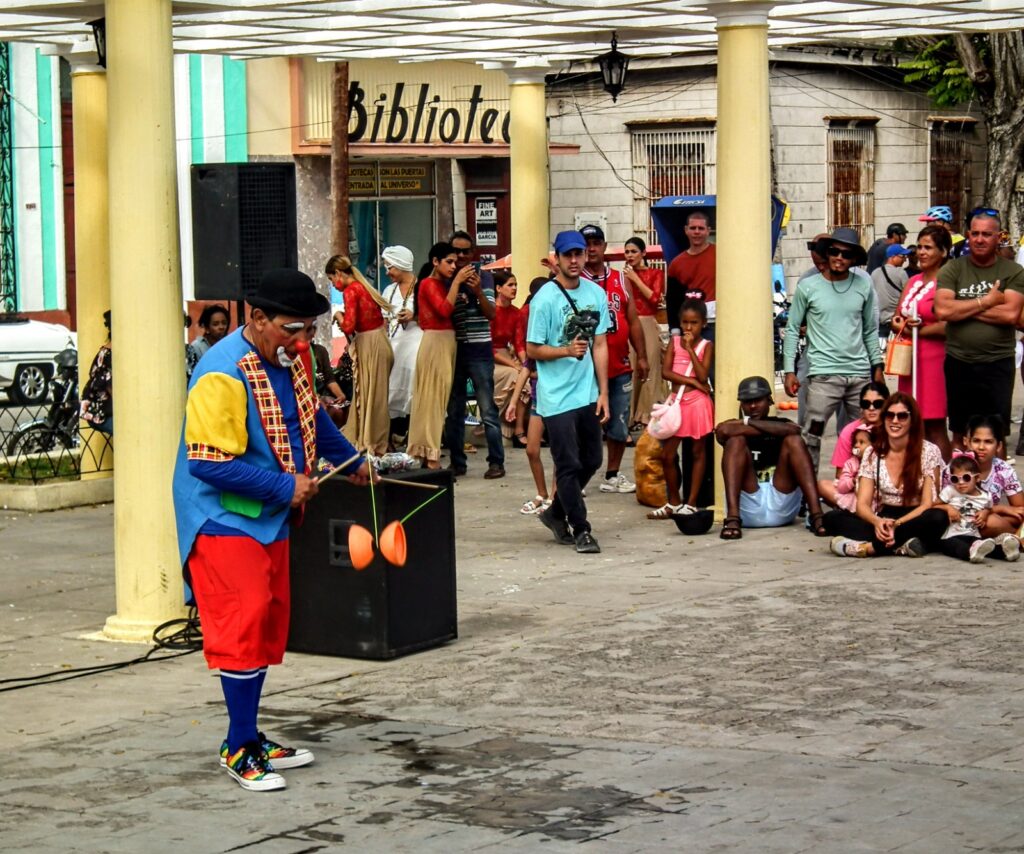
(961, 478)
(896, 416)
(871, 404)
(460, 251)
(835, 251)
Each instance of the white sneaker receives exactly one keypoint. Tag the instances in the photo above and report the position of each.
(619, 483)
(1010, 546)
(845, 547)
(981, 549)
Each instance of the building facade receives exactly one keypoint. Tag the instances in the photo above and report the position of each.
(851, 146)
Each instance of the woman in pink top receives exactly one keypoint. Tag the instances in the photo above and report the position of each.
(915, 309)
(872, 396)
(648, 286)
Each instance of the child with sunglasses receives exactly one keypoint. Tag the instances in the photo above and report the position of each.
(985, 438)
(967, 506)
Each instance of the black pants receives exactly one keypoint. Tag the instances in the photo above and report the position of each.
(577, 451)
(928, 527)
(960, 547)
(978, 388)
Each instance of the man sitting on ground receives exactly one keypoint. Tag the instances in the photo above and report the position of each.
(766, 467)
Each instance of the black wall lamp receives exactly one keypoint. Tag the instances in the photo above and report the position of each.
(99, 35)
(613, 69)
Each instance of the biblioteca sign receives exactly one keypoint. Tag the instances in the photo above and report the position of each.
(415, 113)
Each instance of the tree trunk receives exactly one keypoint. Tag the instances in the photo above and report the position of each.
(1000, 85)
(339, 161)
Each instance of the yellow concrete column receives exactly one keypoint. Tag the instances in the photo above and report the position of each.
(531, 216)
(148, 343)
(743, 329)
(92, 255)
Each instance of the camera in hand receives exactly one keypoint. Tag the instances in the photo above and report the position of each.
(582, 325)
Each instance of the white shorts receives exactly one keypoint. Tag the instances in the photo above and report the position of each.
(769, 508)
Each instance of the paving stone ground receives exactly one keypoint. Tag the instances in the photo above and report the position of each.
(670, 694)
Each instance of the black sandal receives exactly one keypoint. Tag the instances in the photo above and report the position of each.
(817, 525)
(519, 441)
(732, 528)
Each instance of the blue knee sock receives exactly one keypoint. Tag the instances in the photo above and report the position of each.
(242, 696)
(260, 679)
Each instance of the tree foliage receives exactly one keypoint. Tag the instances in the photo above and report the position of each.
(938, 66)
(986, 70)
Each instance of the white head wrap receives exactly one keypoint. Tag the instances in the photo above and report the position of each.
(398, 257)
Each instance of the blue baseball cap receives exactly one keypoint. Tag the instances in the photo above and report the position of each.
(895, 250)
(566, 240)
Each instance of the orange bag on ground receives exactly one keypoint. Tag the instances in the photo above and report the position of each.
(648, 471)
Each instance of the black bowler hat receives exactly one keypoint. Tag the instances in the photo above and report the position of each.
(289, 292)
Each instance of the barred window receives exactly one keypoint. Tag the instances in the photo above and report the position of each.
(669, 162)
(952, 142)
(851, 180)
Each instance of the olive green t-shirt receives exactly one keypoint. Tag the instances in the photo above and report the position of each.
(975, 340)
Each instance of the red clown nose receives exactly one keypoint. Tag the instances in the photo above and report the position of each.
(301, 346)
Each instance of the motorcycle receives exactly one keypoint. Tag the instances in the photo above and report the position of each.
(60, 426)
(780, 319)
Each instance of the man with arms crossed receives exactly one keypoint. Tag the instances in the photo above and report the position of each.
(980, 296)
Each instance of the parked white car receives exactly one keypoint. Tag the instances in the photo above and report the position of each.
(27, 348)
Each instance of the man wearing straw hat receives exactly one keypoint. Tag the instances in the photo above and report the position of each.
(253, 432)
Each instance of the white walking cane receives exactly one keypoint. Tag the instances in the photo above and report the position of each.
(913, 355)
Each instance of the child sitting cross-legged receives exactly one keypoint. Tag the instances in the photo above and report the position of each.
(968, 507)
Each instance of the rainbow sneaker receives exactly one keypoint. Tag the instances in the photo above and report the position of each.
(277, 755)
(248, 766)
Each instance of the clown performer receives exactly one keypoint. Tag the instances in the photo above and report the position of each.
(253, 433)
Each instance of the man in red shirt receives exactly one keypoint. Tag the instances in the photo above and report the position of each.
(692, 273)
(624, 328)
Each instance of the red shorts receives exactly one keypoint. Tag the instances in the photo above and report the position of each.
(244, 600)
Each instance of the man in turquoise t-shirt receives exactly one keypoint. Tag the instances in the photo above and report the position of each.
(566, 338)
(838, 308)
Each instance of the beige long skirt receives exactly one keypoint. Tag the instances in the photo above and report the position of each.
(435, 368)
(369, 425)
(646, 394)
(504, 384)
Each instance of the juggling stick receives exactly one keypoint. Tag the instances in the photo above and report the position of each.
(400, 482)
(337, 469)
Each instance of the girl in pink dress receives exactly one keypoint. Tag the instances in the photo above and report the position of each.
(687, 364)
(916, 308)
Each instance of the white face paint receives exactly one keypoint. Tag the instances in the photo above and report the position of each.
(283, 359)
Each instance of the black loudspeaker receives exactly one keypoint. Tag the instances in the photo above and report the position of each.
(243, 224)
(382, 611)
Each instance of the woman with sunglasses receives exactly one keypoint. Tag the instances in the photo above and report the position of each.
(896, 493)
(872, 398)
(916, 310)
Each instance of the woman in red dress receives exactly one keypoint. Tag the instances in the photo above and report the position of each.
(648, 288)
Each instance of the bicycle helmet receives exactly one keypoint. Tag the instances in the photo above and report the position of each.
(937, 213)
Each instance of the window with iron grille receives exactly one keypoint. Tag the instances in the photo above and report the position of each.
(851, 180)
(952, 144)
(669, 162)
